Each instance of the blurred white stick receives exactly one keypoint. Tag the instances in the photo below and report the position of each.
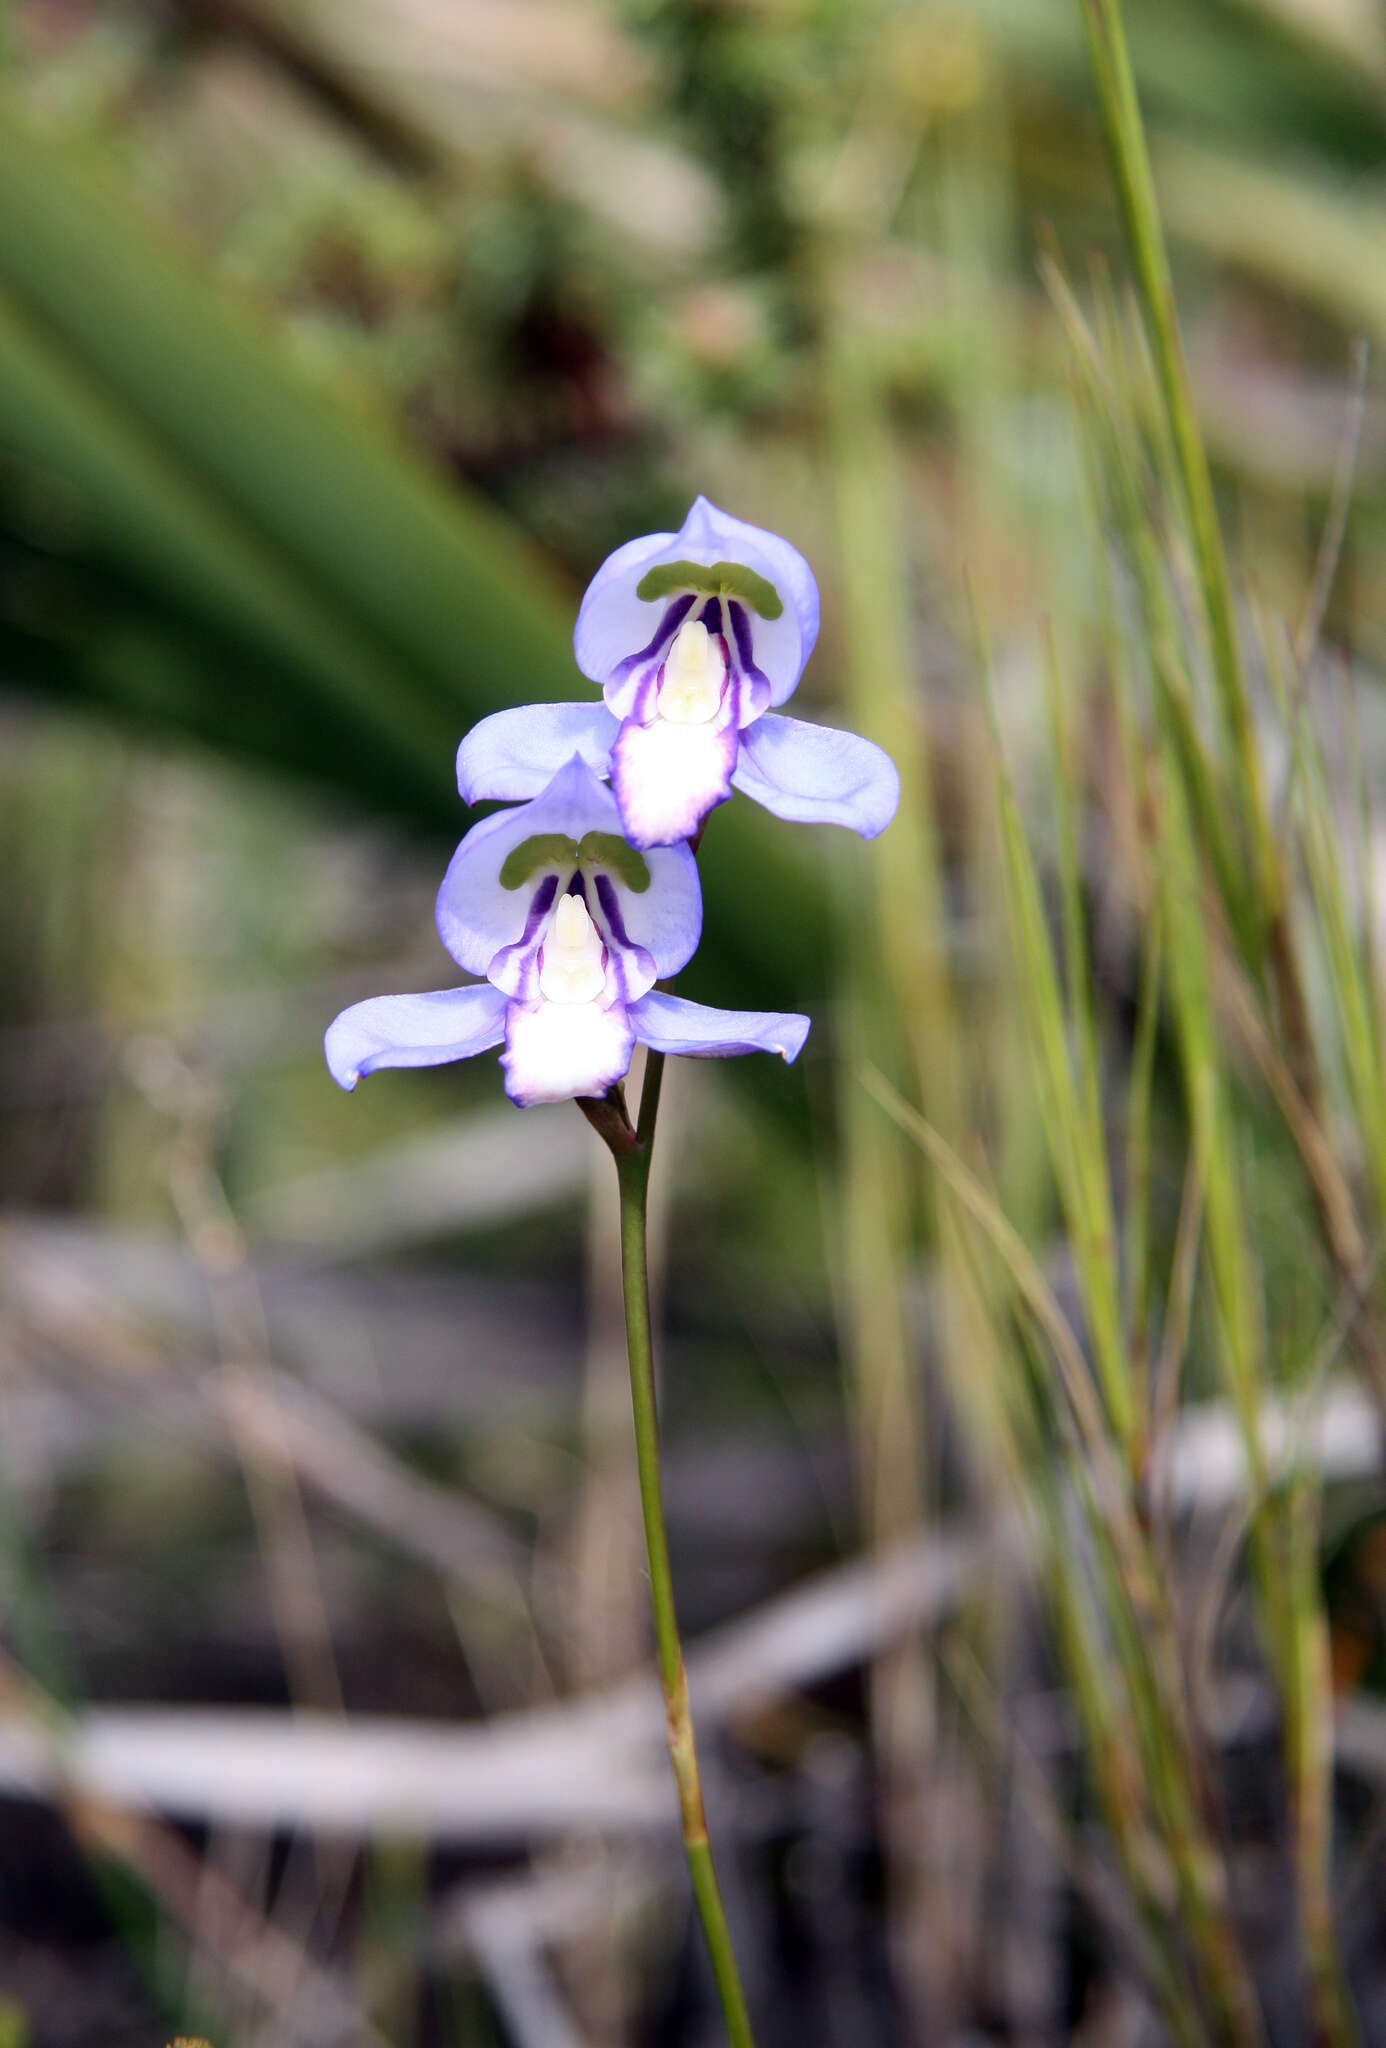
(598, 1761)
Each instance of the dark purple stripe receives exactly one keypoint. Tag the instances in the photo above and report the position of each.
(741, 628)
(745, 646)
(611, 909)
(642, 710)
(540, 904)
(621, 948)
(674, 616)
(747, 672)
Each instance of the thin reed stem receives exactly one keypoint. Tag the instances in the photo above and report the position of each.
(1130, 157)
(633, 1156)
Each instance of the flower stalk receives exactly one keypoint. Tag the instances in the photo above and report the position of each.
(578, 901)
(633, 1153)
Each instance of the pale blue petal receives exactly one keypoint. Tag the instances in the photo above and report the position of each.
(476, 916)
(667, 918)
(514, 754)
(554, 1051)
(711, 535)
(670, 1024)
(817, 775)
(614, 624)
(413, 1031)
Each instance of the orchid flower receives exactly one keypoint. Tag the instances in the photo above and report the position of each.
(571, 926)
(693, 636)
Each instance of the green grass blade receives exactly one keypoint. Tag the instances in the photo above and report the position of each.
(1145, 235)
(1071, 1108)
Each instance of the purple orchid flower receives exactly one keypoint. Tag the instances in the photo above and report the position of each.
(571, 927)
(693, 636)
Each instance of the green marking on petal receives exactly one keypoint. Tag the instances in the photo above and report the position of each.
(723, 579)
(548, 850)
(543, 850)
(609, 850)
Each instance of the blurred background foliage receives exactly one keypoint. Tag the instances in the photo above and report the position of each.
(338, 345)
(499, 287)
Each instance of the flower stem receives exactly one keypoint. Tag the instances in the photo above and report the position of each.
(633, 1177)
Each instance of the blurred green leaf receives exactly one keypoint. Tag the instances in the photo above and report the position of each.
(236, 556)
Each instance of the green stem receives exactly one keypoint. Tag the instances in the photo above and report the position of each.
(633, 1176)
